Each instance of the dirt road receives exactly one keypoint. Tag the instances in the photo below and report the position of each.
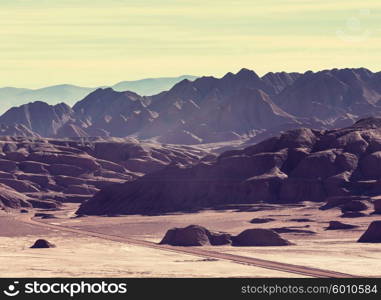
(196, 251)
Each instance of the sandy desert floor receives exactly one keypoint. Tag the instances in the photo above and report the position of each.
(83, 256)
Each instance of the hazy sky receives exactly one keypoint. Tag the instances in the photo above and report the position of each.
(101, 42)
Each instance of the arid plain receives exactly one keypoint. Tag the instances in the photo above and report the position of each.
(79, 255)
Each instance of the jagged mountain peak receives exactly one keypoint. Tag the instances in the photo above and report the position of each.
(245, 73)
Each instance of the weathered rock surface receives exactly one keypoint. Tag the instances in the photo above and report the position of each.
(299, 165)
(259, 237)
(372, 234)
(45, 172)
(194, 235)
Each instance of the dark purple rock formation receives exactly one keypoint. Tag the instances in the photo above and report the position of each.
(372, 234)
(41, 243)
(45, 172)
(299, 165)
(194, 235)
(259, 237)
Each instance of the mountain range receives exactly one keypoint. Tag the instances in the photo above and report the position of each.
(11, 96)
(207, 109)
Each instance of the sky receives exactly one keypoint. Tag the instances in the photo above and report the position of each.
(102, 42)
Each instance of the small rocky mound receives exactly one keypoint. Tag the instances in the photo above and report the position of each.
(194, 235)
(353, 206)
(261, 220)
(259, 237)
(352, 214)
(336, 225)
(372, 234)
(41, 243)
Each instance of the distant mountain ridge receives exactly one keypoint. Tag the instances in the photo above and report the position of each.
(209, 109)
(70, 94)
(67, 93)
(150, 86)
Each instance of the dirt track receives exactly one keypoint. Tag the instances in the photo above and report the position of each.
(296, 269)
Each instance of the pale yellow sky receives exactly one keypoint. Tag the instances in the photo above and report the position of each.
(101, 42)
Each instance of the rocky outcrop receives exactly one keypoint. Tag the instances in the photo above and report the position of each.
(41, 243)
(259, 237)
(372, 234)
(336, 225)
(194, 235)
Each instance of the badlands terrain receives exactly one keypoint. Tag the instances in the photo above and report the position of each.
(107, 204)
(279, 175)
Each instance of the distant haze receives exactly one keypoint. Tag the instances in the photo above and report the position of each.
(10, 96)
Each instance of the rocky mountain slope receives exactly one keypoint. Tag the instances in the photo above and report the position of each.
(39, 117)
(206, 110)
(43, 172)
(336, 166)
